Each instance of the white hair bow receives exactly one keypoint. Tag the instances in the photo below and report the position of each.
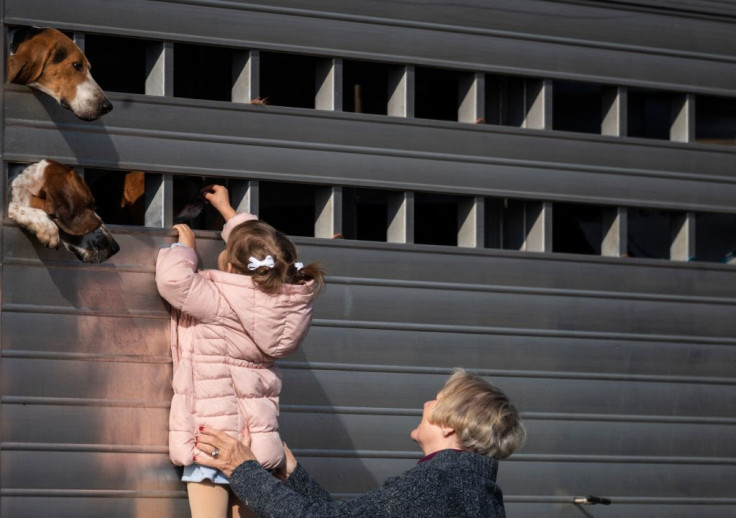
(298, 266)
(254, 264)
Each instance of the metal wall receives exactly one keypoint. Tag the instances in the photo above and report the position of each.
(623, 368)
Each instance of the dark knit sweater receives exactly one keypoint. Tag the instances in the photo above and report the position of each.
(453, 484)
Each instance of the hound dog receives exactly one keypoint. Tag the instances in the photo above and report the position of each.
(47, 60)
(52, 201)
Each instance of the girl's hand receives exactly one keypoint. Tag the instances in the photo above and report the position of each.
(231, 453)
(219, 197)
(186, 236)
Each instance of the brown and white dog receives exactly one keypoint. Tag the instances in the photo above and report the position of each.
(52, 201)
(46, 59)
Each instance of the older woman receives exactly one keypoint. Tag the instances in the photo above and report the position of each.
(463, 433)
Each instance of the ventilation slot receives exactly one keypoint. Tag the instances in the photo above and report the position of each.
(119, 195)
(715, 120)
(576, 107)
(715, 238)
(288, 207)
(650, 233)
(577, 229)
(190, 206)
(118, 64)
(365, 214)
(649, 114)
(203, 72)
(436, 94)
(365, 87)
(509, 100)
(435, 219)
(288, 79)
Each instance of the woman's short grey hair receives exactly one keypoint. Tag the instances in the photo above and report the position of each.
(482, 416)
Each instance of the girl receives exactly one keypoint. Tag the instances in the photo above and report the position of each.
(228, 326)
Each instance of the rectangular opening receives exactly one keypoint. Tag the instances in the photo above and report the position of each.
(203, 72)
(190, 206)
(650, 233)
(506, 103)
(436, 93)
(512, 224)
(715, 238)
(289, 207)
(118, 64)
(365, 87)
(119, 195)
(577, 107)
(435, 219)
(649, 114)
(288, 79)
(715, 120)
(577, 228)
(365, 214)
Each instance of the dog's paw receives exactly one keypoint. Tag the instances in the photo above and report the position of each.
(13, 211)
(48, 235)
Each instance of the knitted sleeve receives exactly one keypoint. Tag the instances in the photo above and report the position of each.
(416, 494)
(301, 482)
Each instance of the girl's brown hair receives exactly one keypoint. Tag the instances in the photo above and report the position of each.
(258, 239)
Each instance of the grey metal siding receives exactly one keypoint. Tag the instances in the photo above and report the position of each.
(623, 368)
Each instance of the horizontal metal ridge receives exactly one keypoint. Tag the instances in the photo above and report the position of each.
(379, 454)
(385, 369)
(342, 148)
(90, 493)
(382, 411)
(86, 448)
(85, 402)
(558, 333)
(88, 357)
(476, 31)
(627, 500)
(523, 290)
(33, 308)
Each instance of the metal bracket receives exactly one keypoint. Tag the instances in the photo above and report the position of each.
(592, 500)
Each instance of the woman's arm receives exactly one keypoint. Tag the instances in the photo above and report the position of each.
(409, 495)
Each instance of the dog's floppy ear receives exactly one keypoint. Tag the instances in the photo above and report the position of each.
(69, 202)
(30, 56)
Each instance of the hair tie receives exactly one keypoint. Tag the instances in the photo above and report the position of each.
(298, 266)
(254, 264)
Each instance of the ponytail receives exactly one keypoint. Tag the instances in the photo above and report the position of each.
(258, 239)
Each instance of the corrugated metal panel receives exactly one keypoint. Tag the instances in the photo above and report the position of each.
(623, 367)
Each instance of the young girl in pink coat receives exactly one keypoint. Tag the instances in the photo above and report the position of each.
(228, 326)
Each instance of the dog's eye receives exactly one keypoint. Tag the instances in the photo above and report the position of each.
(77, 65)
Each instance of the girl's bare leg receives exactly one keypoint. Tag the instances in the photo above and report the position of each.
(208, 500)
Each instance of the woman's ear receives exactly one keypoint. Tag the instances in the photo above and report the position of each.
(447, 432)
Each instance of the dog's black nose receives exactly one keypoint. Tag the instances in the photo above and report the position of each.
(105, 107)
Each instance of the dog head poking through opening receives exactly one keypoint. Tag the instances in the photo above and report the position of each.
(46, 59)
(67, 200)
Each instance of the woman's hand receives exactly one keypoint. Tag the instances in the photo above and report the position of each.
(186, 236)
(231, 453)
(220, 199)
(288, 467)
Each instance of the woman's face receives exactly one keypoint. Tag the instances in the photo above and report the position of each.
(427, 434)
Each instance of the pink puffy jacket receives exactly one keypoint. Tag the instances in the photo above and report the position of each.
(225, 336)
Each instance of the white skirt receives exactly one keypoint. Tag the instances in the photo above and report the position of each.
(197, 473)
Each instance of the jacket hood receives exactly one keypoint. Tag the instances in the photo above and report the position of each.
(276, 323)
